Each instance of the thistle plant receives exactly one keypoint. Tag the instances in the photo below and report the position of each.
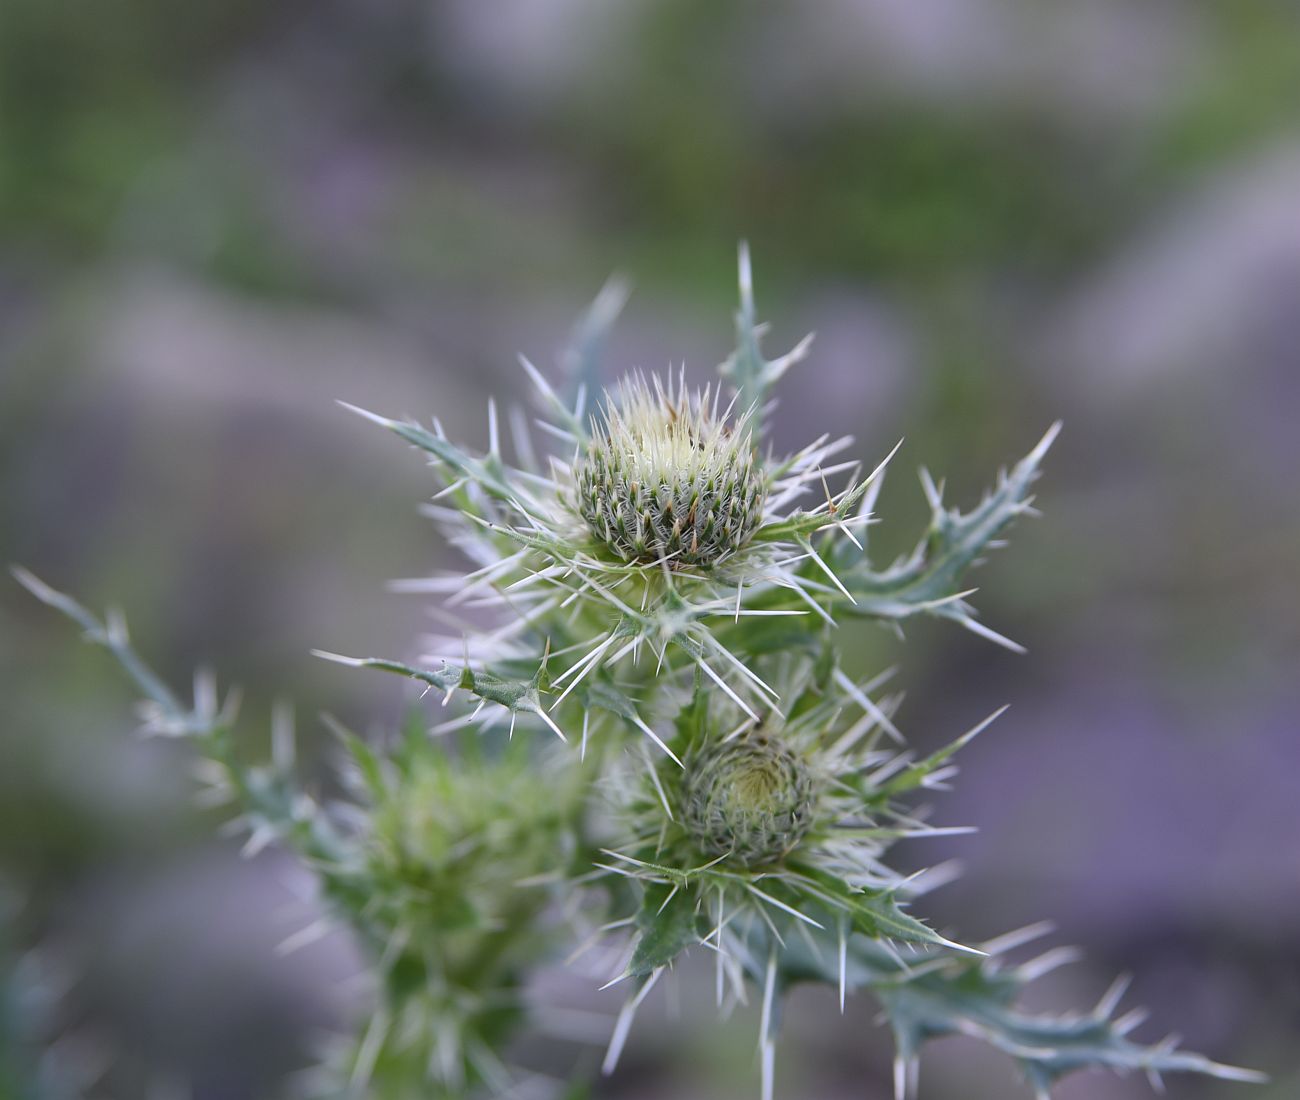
(648, 746)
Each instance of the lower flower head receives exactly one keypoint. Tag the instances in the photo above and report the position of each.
(751, 798)
(667, 478)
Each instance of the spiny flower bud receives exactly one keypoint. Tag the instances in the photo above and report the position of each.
(666, 477)
(751, 798)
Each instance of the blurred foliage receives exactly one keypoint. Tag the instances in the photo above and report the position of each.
(1250, 91)
(89, 95)
(891, 188)
(905, 188)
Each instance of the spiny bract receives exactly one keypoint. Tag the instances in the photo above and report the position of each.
(668, 479)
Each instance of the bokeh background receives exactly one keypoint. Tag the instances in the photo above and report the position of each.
(215, 219)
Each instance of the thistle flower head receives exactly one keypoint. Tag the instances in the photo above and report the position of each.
(667, 477)
(752, 798)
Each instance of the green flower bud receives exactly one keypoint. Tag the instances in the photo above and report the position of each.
(751, 798)
(667, 477)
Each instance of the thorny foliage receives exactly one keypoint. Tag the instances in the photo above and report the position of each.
(688, 767)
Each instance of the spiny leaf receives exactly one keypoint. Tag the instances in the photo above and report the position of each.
(274, 806)
(764, 636)
(928, 580)
(874, 913)
(666, 924)
(931, 575)
(693, 718)
(978, 999)
(514, 695)
(581, 359)
(367, 762)
(879, 916)
(746, 369)
(112, 635)
(800, 524)
(487, 472)
(598, 692)
(445, 678)
(915, 775)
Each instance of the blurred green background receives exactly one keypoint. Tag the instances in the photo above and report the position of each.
(215, 219)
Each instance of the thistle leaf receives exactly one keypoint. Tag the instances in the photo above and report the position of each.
(935, 993)
(582, 356)
(273, 806)
(666, 927)
(874, 913)
(746, 369)
(929, 580)
(489, 472)
(979, 999)
(515, 695)
(915, 775)
(369, 767)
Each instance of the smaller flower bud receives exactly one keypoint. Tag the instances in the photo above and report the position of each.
(751, 798)
(668, 478)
